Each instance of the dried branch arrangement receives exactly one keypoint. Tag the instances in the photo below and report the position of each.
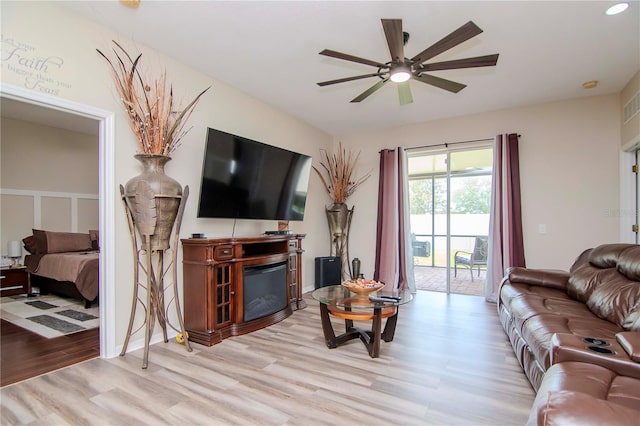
(153, 117)
(340, 181)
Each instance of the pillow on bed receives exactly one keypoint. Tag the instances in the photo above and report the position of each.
(95, 239)
(60, 242)
(30, 244)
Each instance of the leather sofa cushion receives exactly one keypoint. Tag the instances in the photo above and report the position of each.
(538, 331)
(632, 321)
(616, 299)
(524, 308)
(608, 283)
(562, 408)
(585, 394)
(514, 290)
(628, 264)
(624, 258)
(607, 255)
(583, 281)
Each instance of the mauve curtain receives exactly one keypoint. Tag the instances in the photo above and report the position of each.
(394, 262)
(506, 246)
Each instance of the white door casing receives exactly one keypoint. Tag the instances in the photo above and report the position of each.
(106, 185)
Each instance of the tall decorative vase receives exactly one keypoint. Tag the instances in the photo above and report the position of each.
(154, 204)
(153, 198)
(339, 219)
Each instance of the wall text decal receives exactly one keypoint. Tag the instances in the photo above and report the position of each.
(36, 71)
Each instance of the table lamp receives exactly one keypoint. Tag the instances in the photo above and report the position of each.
(14, 252)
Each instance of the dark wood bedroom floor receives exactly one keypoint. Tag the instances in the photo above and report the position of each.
(24, 354)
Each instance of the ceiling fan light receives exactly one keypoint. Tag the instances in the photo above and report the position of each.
(617, 8)
(400, 74)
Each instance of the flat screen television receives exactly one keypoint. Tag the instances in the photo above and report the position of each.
(246, 179)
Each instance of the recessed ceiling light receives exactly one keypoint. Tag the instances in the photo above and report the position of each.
(589, 84)
(617, 8)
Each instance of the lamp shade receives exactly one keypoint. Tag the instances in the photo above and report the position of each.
(14, 249)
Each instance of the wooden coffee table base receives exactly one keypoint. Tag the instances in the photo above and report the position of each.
(370, 338)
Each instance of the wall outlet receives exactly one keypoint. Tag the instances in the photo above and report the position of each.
(542, 228)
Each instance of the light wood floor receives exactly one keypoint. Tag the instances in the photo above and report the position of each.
(450, 363)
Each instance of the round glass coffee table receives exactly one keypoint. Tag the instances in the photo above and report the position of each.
(340, 302)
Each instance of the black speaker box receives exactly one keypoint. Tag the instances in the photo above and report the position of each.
(328, 271)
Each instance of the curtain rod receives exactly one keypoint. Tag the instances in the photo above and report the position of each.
(446, 144)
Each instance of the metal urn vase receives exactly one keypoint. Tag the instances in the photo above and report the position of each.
(339, 219)
(154, 204)
(154, 199)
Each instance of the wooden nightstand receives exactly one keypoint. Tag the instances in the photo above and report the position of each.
(14, 281)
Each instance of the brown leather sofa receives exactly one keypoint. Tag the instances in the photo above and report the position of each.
(574, 331)
(579, 393)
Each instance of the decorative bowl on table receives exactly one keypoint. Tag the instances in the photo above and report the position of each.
(363, 286)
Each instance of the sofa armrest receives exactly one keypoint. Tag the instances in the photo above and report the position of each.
(630, 342)
(593, 350)
(552, 278)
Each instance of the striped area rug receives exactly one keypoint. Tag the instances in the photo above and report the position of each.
(49, 316)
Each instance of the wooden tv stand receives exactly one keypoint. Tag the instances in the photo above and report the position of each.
(213, 283)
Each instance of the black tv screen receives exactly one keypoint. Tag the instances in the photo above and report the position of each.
(246, 179)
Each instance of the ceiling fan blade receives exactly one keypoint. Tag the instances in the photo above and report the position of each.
(442, 83)
(343, 80)
(338, 55)
(404, 92)
(460, 35)
(395, 39)
(478, 61)
(362, 96)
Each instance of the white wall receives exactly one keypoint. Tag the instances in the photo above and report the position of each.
(30, 154)
(569, 153)
(30, 151)
(46, 48)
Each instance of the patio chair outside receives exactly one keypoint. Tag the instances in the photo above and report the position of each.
(470, 260)
(420, 248)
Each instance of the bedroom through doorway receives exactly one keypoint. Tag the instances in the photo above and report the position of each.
(50, 181)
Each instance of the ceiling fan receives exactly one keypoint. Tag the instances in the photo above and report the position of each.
(401, 69)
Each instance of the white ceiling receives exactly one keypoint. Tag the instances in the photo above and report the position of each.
(269, 50)
(47, 116)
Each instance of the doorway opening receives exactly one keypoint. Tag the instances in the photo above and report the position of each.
(106, 187)
(449, 201)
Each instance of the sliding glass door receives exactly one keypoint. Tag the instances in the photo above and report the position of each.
(449, 197)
